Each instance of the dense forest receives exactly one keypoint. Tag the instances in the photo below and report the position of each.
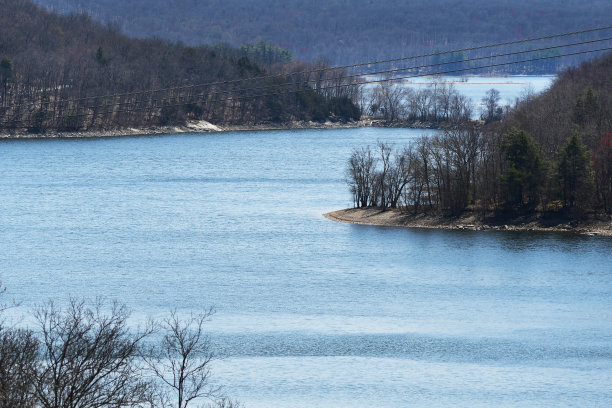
(549, 153)
(350, 31)
(70, 73)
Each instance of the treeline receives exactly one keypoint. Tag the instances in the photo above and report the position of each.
(548, 153)
(70, 73)
(438, 103)
(351, 31)
(85, 355)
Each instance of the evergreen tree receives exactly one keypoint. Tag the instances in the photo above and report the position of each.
(6, 69)
(100, 57)
(586, 108)
(523, 179)
(574, 173)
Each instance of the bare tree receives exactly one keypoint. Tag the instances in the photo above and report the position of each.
(382, 176)
(389, 100)
(18, 353)
(460, 108)
(226, 403)
(182, 362)
(420, 174)
(490, 109)
(360, 175)
(4, 306)
(18, 358)
(393, 176)
(88, 357)
(398, 177)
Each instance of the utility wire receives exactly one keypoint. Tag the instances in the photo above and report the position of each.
(323, 88)
(343, 77)
(436, 73)
(264, 77)
(395, 70)
(337, 86)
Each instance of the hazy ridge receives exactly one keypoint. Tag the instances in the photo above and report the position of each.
(347, 31)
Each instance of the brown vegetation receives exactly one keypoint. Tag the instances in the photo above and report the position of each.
(69, 73)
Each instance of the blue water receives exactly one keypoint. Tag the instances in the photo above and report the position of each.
(309, 312)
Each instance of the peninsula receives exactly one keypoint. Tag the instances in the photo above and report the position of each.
(543, 164)
(594, 225)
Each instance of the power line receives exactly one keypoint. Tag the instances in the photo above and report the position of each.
(418, 67)
(338, 86)
(264, 77)
(343, 77)
(446, 72)
(323, 88)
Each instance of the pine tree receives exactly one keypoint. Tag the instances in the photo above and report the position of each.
(523, 179)
(574, 173)
(100, 57)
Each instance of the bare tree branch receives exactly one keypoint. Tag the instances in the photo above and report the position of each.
(182, 361)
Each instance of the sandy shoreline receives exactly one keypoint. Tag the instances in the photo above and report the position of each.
(601, 226)
(191, 127)
(205, 127)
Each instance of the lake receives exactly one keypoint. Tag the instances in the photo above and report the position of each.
(310, 313)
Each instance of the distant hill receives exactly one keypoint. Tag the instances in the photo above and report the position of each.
(349, 31)
(69, 73)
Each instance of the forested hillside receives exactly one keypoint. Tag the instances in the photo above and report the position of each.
(349, 31)
(579, 100)
(70, 73)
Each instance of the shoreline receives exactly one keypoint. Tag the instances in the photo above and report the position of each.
(593, 226)
(191, 127)
(207, 127)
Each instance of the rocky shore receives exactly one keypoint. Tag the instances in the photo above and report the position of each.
(592, 225)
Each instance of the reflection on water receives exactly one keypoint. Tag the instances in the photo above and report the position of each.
(310, 312)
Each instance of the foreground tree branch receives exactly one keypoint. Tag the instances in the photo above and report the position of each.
(182, 361)
(89, 358)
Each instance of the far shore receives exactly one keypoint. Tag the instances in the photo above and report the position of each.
(592, 225)
(205, 127)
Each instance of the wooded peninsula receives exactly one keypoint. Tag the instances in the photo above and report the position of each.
(545, 162)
